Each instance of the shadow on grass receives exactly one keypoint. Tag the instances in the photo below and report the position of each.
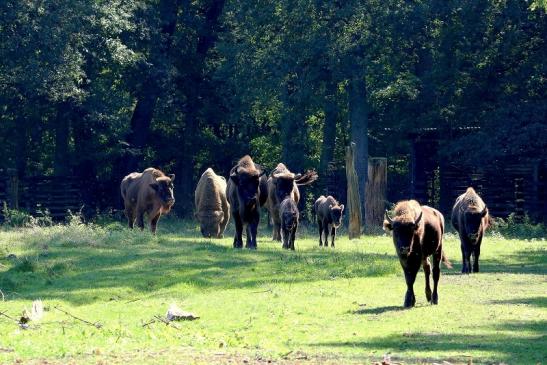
(528, 348)
(520, 262)
(84, 274)
(534, 301)
(378, 310)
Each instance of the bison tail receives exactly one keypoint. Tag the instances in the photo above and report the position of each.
(307, 178)
(445, 261)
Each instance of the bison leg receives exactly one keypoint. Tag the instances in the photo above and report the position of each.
(276, 233)
(410, 298)
(238, 239)
(285, 238)
(427, 271)
(333, 235)
(251, 234)
(140, 220)
(436, 275)
(320, 225)
(476, 254)
(154, 223)
(129, 213)
(293, 236)
(326, 229)
(466, 255)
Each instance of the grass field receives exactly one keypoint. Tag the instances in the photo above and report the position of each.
(314, 305)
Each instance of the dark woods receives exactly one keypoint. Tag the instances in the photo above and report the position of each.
(91, 91)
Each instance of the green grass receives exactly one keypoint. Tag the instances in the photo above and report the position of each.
(312, 305)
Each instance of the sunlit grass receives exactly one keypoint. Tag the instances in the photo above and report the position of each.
(332, 305)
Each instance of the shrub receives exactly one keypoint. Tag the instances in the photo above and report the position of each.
(513, 228)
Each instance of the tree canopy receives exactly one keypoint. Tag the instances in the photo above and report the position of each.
(101, 88)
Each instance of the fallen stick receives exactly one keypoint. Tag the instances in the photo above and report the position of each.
(3, 314)
(96, 324)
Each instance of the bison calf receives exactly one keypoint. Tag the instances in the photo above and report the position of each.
(149, 192)
(417, 234)
(281, 184)
(470, 219)
(329, 217)
(212, 208)
(288, 213)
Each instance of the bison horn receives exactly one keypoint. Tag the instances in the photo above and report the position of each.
(419, 219)
(388, 218)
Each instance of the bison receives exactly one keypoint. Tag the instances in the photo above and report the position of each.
(470, 218)
(329, 217)
(288, 212)
(212, 207)
(281, 184)
(149, 192)
(245, 193)
(417, 234)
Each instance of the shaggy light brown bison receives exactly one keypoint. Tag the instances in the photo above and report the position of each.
(470, 218)
(244, 195)
(288, 211)
(329, 217)
(281, 184)
(149, 192)
(417, 234)
(212, 207)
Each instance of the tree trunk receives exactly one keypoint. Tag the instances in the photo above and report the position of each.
(358, 115)
(62, 134)
(143, 113)
(206, 40)
(329, 129)
(376, 192)
(354, 208)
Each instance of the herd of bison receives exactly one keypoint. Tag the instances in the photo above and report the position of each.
(417, 230)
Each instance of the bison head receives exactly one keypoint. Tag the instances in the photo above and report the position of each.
(336, 212)
(210, 223)
(289, 219)
(284, 184)
(404, 232)
(164, 189)
(247, 183)
(472, 221)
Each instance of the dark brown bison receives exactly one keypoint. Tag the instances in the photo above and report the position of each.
(149, 192)
(329, 217)
(212, 207)
(288, 212)
(470, 218)
(417, 234)
(245, 196)
(281, 184)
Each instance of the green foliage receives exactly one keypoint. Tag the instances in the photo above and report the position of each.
(519, 228)
(20, 218)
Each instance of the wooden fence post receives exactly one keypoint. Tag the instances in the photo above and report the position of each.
(12, 189)
(375, 192)
(354, 206)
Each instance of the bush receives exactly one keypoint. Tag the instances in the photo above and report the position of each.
(513, 228)
(20, 218)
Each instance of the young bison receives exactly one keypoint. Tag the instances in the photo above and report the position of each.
(244, 195)
(418, 234)
(329, 217)
(470, 219)
(149, 192)
(281, 184)
(212, 207)
(288, 212)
